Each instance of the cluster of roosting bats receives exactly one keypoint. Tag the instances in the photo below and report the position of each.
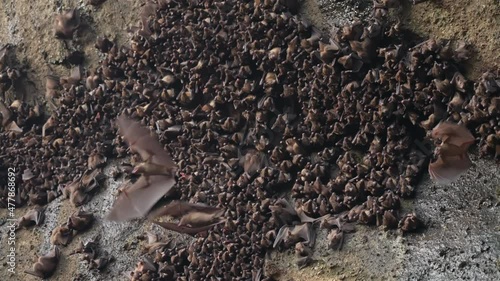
(288, 134)
(157, 171)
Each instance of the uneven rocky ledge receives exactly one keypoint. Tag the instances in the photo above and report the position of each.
(329, 109)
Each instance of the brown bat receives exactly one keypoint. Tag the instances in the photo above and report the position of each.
(80, 220)
(454, 135)
(32, 217)
(293, 234)
(157, 171)
(283, 212)
(62, 235)
(66, 23)
(193, 218)
(46, 265)
(452, 159)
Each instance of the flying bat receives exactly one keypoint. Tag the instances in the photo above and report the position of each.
(453, 135)
(157, 169)
(452, 159)
(193, 218)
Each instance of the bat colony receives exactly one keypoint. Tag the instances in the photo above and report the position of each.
(157, 179)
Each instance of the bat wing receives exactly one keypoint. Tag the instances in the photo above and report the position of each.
(138, 199)
(305, 232)
(305, 218)
(453, 133)
(447, 169)
(140, 140)
(177, 209)
(185, 229)
(282, 234)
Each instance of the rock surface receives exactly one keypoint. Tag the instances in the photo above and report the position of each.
(462, 236)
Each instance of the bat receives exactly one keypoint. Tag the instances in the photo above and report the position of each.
(283, 212)
(193, 218)
(32, 217)
(256, 275)
(452, 159)
(335, 239)
(27, 175)
(66, 23)
(453, 135)
(80, 220)
(62, 235)
(293, 234)
(303, 254)
(157, 169)
(46, 265)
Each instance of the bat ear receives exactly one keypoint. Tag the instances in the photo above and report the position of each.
(447, 169)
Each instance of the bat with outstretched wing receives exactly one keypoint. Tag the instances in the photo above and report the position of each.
(447, 169)
(157, 169)
(453, 134)
(178, 209)
(193, 218)
(452, 159)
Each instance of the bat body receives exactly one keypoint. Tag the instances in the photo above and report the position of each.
(193, 218)
(46, 265)
(453, 159)
(157, 179)
(32, 217)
